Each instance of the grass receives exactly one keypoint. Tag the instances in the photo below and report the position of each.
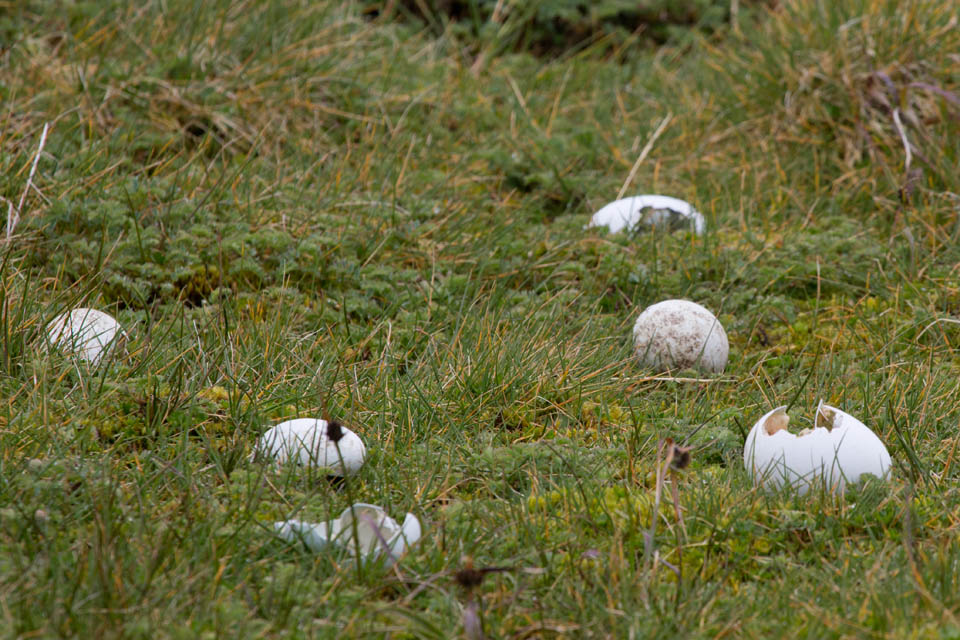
(295, 210)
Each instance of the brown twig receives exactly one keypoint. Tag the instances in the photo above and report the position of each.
(469, 578)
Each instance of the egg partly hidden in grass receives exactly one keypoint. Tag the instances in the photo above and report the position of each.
(86, 333)
(314, 442)
(636, 212)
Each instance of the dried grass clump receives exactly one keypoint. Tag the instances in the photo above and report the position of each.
(876, 81)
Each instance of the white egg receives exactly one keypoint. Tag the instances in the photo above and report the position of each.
(839, 449)
(678, 334)
(86, 333)
(363, 527)
(308, 442)
(649, 210)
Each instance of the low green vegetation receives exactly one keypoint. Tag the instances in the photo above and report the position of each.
(311, 208)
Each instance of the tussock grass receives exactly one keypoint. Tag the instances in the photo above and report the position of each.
(297, 210)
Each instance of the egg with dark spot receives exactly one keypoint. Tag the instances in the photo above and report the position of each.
(316, 443)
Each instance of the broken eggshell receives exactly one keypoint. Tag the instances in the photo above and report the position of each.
(838, 450)
(649, 210)
(314, 442)
(376, 532)
(679, 334)
(85, 333)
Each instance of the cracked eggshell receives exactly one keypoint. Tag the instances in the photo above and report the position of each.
(86, 333)
(308, 441)
(649, 210)
(376, 532)
(838, 450)
(677, 334)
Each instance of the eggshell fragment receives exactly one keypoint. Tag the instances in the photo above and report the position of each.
(86, 333)
(308, 441)
(839, 449)
(649, 210)
(677, 334)
(375, 532)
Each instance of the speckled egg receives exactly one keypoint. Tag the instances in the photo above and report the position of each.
(679, 334)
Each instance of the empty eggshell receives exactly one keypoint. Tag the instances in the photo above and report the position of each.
(314, 442)
(839, 449)
(677, 334)
(649, 210)
(363, 527)
(86, 333)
